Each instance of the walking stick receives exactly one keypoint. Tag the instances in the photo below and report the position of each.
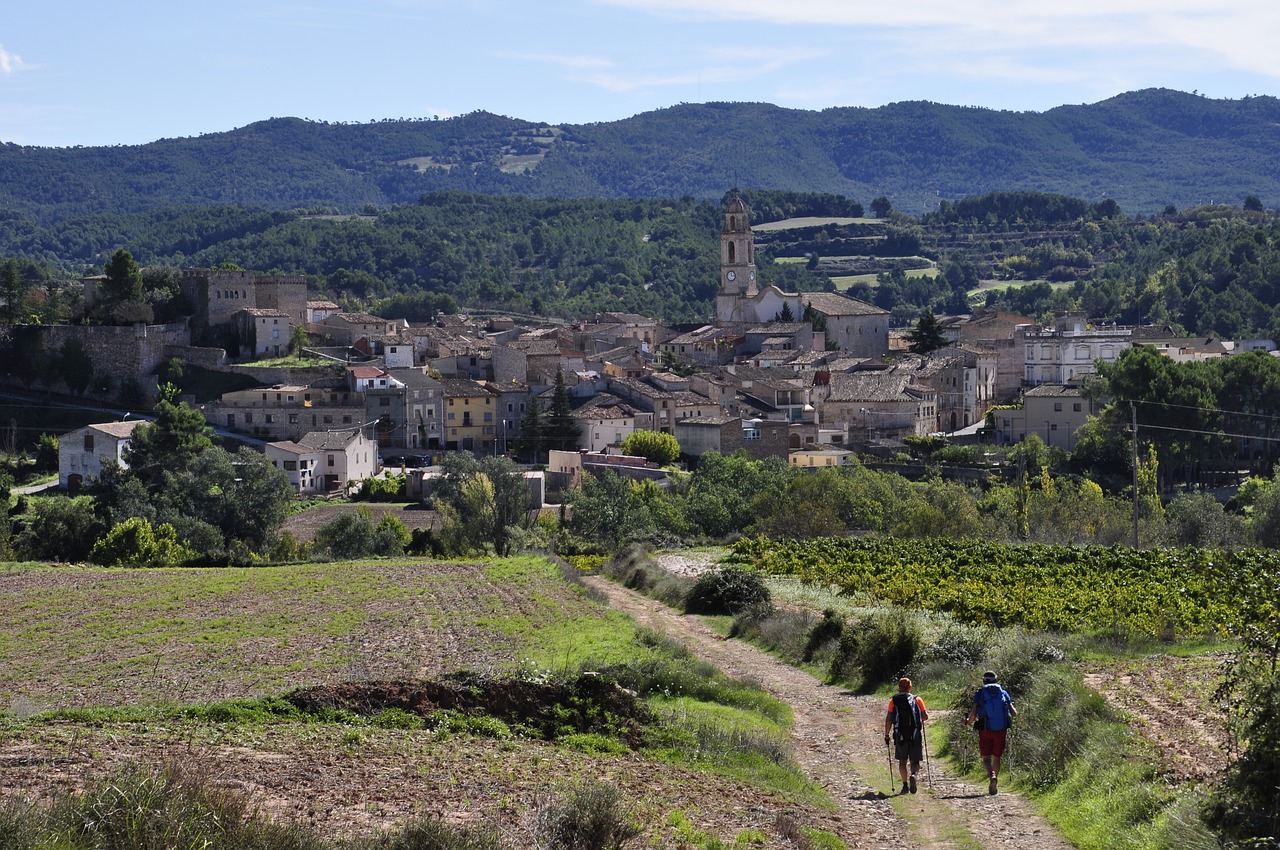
(889, 754)
(928, 762)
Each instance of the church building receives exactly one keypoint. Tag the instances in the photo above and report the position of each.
(858, 328)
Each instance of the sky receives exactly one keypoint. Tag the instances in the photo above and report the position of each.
(74, 72)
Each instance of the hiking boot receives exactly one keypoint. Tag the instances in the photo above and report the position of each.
(913, 783)
(991, 786)
(905, 788)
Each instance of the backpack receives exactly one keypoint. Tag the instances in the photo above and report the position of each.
(906, 725)
(993, 707)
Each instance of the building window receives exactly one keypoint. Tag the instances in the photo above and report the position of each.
(291, 465)
(293, 419)
(1057, 407)
(331, 460)
(88, 442)
(1076, 407)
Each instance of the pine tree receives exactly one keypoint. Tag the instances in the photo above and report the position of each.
(530, 440)
(562, 429)
(927, 335)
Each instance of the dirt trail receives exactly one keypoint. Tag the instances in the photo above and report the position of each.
(834, 729)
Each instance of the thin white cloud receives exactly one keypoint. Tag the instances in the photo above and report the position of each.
(1235, 33)
(9, 62)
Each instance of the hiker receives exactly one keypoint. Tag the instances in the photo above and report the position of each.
(905, 721)
(992, 715)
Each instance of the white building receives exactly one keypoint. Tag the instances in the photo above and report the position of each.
(82, 452)
(1069, 351)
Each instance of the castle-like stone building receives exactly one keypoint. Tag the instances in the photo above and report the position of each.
(217, 295)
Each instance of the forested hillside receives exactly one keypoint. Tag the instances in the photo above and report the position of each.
(1212, 270)
(1144, 149)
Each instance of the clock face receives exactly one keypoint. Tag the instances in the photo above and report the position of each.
(731, 275)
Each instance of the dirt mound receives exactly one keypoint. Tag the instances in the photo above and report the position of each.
(587, 703)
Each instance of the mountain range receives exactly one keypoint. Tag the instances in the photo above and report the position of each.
(1145, 150)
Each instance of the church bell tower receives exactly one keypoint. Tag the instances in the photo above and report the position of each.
(737, 250)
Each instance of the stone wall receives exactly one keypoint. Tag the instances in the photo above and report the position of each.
(206, 358)
(121, 354)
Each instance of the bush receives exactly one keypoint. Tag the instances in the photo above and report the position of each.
(728, 590)
(587, 816)
(135, 543)
(876, 650)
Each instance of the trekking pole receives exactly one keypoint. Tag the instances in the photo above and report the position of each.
(889, 754)
(928, 762)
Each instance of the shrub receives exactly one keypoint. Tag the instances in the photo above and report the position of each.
(876, 650)
(587, 816)
(135, 543)
(728, 590)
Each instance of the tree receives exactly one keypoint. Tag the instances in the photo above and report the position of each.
(298, 340)
(655, 446)
(487, 501)
(1252, 203)
(881, 207)
(927, 335)
(13, 288)
(562, 429)
(173, 441)
(60, 528)
(530, 440)
(123, 278)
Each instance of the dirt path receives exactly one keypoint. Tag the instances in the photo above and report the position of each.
(838, 742)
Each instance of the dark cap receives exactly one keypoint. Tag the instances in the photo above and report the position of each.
(990, 676)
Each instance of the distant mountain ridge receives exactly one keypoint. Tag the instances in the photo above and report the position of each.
(1144, 149)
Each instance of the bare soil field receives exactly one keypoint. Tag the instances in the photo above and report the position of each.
(83, 638)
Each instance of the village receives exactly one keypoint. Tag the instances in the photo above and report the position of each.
(814, 378)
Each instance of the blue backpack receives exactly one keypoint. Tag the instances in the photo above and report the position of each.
(993, 707)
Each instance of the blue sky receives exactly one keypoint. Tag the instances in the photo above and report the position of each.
(132, 71)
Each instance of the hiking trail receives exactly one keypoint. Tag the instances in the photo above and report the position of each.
(837, 738)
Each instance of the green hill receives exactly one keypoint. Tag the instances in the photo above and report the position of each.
(1144, 149)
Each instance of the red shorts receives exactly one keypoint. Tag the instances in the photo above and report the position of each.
(991, 743)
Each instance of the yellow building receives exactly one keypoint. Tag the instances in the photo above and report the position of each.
(470, 416)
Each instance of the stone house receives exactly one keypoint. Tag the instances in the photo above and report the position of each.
(286, 412)
(667, 407)
(406, 410)
(265, 331)
(607, 420)
(346, 328)
(877, 405)
(83, 452)
(759, 438)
